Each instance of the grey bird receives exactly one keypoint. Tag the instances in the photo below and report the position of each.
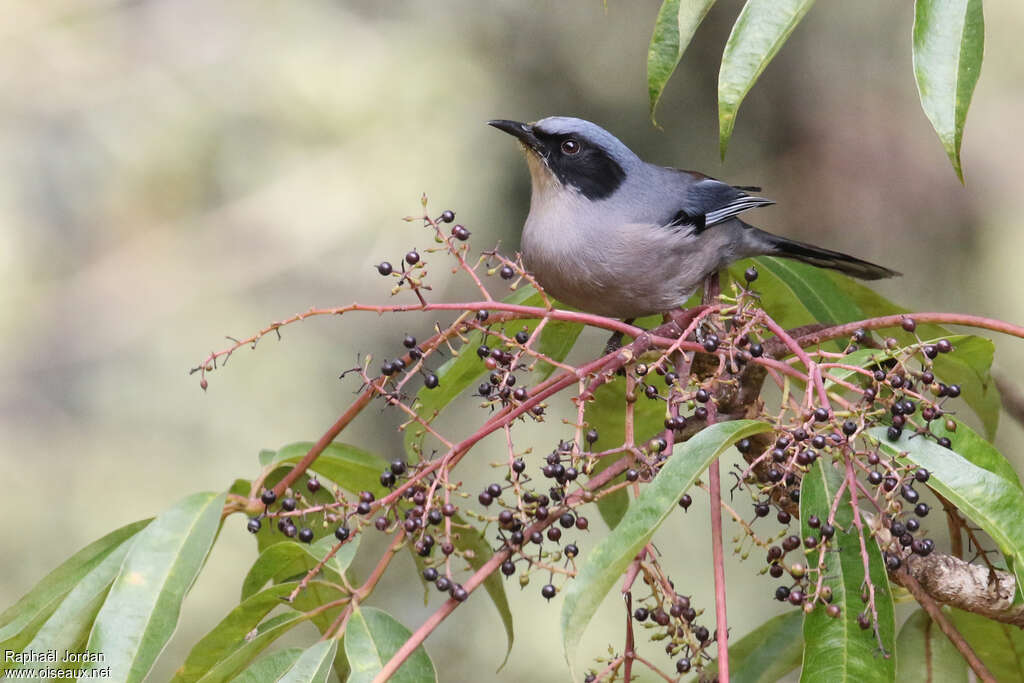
(616, 236)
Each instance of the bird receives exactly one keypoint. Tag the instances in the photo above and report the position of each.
(613, 235)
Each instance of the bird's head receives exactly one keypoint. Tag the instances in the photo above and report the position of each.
(564, 152)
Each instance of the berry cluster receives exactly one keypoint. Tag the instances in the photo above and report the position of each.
(535, 513)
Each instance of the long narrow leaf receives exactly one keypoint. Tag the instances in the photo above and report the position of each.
(371, 638)
(314, 666)
(949, 43)
(231, 632)
(473, 540)
(606, 415)
(760, 30)
(837, 649)
(767, 653)
(46, 595)
(925, 655)
(67, 629)
(977, 450)
(350, 467)
(998, 645)
(673, 29)
(236, 660)
(270, 667)
(989, 500)
(283, 561)
(141, 611)
(606, 562)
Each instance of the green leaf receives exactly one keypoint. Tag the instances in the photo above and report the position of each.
(605, 563)
(234, 661)
(461, 371)
(925, 655)
(271, 667)
(141, 611)
(231, 633)
(371, 638)
(837, 649)
(874, 305)
(767, 653)
(556, 341)
(350, 467)
(21, 621)
(69, 625)
(760, 30)
(970, 365)
(607, 414)
(314, 666)
(969, 444)
(796, 294)
(861, 358)
(284, 561)
(673, 29)
(998, 645)
(474, 540)
(989, 500)
(949, 43)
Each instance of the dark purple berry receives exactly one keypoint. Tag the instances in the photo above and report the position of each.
(447, 216)
(254, 525)
(385, 268)
(910, 494)
(306, 535)
(412, 258)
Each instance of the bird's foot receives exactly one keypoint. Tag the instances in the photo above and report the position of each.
(684, 317)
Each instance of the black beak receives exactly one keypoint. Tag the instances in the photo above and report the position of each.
(522, 131)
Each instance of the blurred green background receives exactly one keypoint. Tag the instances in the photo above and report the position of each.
(172, 172)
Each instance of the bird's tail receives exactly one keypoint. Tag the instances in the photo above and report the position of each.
(823, 258)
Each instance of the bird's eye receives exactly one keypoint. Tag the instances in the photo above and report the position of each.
(570, 146)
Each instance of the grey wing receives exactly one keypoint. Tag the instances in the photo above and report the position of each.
(706, 201)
